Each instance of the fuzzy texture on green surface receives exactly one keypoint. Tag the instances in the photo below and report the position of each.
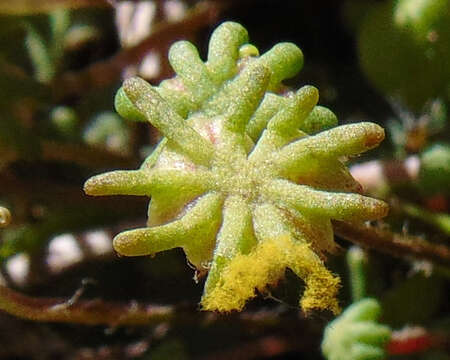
(355, 334)
(246, 181)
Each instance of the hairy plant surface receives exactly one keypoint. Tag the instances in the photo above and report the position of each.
(248, 175)
(355, 334)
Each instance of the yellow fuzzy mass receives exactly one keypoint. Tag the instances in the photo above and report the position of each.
(265, 265)
(321, 291)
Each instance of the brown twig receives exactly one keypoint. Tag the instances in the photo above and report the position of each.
(88, 312)
(40, 191)
(107, 72)
(391, 243)
(89, 156)
(100, 312)
(22, 7)
(84, 155)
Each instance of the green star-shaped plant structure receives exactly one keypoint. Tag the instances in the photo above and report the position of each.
(240, 181)
(356, 335)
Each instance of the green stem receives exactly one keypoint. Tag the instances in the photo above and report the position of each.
(439, 220)
(357, 265)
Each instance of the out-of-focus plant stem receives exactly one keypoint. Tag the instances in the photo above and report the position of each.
(83, 155)
(394, 244)
(106, 72)
(88, 312)
(439, 220)
(89, 156)
(100, 312)
(357, 265)
(28, 7)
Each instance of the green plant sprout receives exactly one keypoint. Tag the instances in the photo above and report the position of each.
(247, 178)
(355, 334)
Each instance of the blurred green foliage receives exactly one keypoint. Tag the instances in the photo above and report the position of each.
(404, 49)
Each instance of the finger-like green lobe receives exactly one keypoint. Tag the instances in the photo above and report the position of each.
(345, 140)
(338, 206)
(195, 232)
(161, 115)
(223, 51)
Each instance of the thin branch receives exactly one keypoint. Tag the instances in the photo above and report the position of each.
(104, 73)
(26, 7)
(87, 312)
(46, 191)
(99, 312)
(391, 243)
(89, 156)
(80, 154)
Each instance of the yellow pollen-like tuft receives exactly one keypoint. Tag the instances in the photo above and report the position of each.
(268, 262)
